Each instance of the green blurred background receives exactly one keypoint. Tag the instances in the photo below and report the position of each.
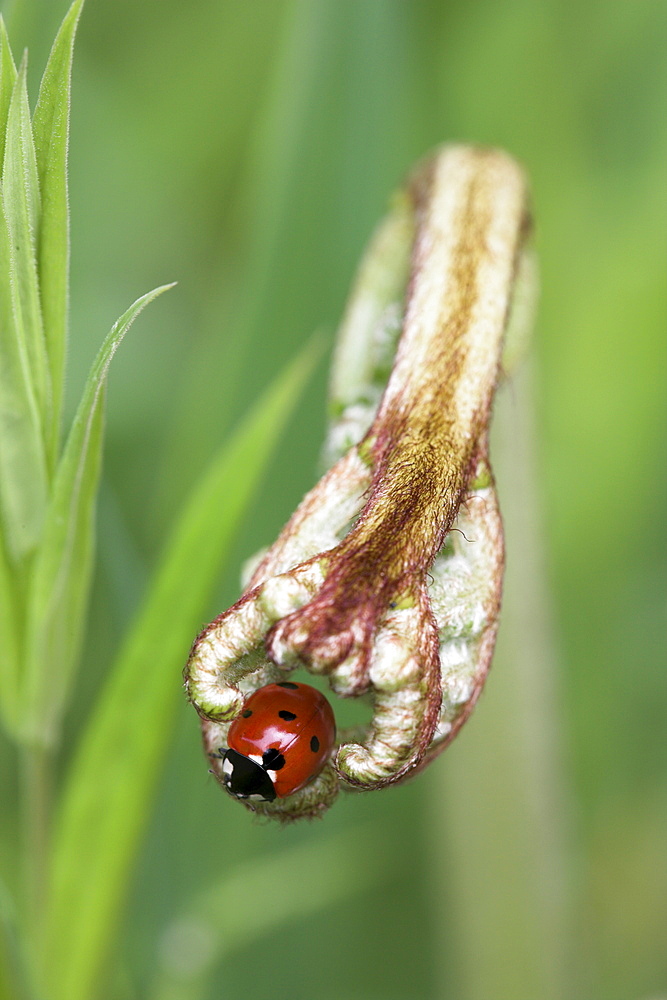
(246, 150)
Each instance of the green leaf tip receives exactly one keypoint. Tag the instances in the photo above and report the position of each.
(7, 81)
(51, 131)
(61, 574)
(52, 109)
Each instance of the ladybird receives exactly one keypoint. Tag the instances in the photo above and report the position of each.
(281, 740)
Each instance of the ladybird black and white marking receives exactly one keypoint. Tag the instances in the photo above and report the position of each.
(281, 740)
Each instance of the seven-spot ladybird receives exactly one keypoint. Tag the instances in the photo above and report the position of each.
(281, 740)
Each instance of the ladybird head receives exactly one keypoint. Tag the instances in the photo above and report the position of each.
(245, 778)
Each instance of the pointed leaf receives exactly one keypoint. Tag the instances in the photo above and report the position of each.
(23, 468)
(61, 574)
(112, 781)
(22, 209)
(51, 131)
(7, 81)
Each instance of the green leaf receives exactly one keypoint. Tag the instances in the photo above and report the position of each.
(111, 786)
(23, 374)
(23, 470)
(7, 81)
(23, 477)
(61, 574)
(51, 131)
(22, 207)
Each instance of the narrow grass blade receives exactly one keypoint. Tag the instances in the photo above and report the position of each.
(225, 917)
(20, 187)
(61, 574)
(7, 81)
(111, 786)
(23, 467)
(51, 131)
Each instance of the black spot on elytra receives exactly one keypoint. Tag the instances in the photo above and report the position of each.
(287, 716)
(247, 713)
(314, 744)
(287, 684)
(272, 759)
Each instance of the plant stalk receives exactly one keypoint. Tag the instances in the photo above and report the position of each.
(35, 777)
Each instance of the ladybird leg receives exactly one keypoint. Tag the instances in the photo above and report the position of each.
(405, 676)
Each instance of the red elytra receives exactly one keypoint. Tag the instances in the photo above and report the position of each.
(289, 730)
